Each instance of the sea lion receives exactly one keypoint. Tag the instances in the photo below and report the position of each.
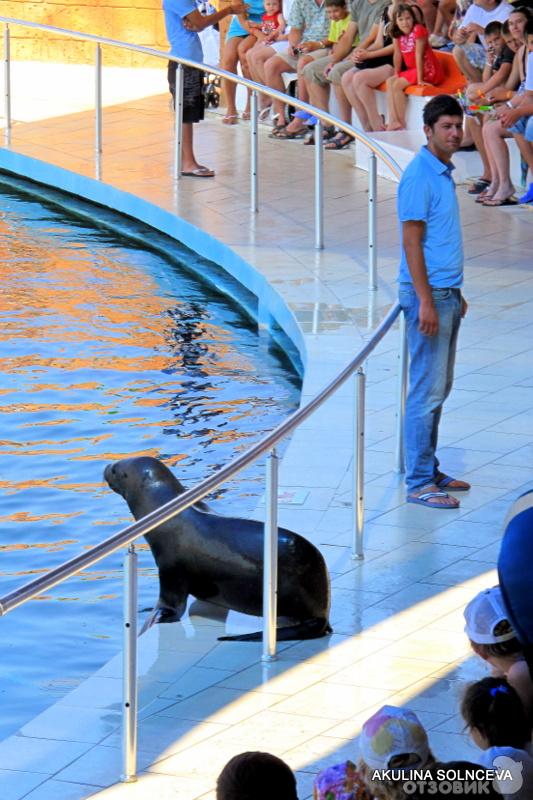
(220, 559)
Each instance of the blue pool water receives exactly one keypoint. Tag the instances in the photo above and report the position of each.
(106, 350)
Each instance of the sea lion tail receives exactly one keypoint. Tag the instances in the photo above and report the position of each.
(308, 629)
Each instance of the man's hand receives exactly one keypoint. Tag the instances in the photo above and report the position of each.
(428, 319)
(464, 307)
(508, 116)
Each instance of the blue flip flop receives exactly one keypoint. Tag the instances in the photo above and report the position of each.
(425, 499)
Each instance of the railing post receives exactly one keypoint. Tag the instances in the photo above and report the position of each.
(254, 154)
(402, 395)
(319, 186)
(359, 465)
(129, 675)
(98, 109)
(372, 220)
(178, 122)
(270, 560)
(7, 84)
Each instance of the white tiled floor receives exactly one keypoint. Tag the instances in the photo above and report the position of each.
(397, 616)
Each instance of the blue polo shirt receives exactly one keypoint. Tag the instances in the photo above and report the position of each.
(183, 43)
(427, 193)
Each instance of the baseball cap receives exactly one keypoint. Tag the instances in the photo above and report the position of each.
(482, 616)
(391, 732)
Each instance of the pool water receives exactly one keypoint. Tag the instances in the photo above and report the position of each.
(107, 350)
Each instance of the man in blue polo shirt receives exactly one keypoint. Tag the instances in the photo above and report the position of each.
(431, 276)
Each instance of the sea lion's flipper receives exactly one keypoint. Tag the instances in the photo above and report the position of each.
(308, 629)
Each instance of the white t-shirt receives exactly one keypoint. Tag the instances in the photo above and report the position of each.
(510, 762)
(529, 73)
(480, 17)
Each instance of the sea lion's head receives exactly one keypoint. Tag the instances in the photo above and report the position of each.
(145, 483)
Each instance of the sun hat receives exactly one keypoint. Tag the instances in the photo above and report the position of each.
(391, 732)
(482, 616)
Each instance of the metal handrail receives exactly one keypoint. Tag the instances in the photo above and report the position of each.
(267, 445)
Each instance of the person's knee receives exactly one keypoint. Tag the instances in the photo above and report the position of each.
(274, 68)
(347, 80)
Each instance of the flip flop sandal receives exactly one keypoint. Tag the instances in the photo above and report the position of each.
(339, 142)
(285, 134)
(492, 202)
(246, 115)
(201, 172)
(482, 196)
(425, 499)
(230, 119)
(327, 135)
(445, 481)
(264, 114)
(478, 186)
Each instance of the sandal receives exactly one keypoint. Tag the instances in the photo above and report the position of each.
(246, 115)
(479, 185)
(327, 134)
(340, 141)
(264, 114)
(285, 134)
(428, 496)
(230, 119)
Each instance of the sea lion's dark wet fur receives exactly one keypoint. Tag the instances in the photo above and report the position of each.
(219, 559)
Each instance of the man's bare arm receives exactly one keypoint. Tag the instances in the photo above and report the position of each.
(413, 233)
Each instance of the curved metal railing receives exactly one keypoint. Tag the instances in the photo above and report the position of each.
(267, 445)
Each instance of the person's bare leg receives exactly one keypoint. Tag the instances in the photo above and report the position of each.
(474, 128)
(349, 89)
(472, 74)
(318, 94)
(243, 49)
(256, 59)
(345, 107)
(444, 17)
(526, 150)
(229, 63)
(495, 141)
(363, 85)
(274, 69)
(188, 159)
(429, 11)
(396, 101)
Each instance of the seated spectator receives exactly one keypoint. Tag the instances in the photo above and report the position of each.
(494, 640)
(412, 50)
(468, 52)
(501, 189)
(364, 16)
(443, 20)
(339, 19)
(495, 73)
(308, 30)
(392, 739)
(498, 724)
(261, 52)
(519, 119)
(256, 776)
(372, 67)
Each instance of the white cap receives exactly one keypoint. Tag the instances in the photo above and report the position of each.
(391, 732)
(483, 614)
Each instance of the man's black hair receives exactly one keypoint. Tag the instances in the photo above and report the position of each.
(256, 776)
(443, 105)
(336, 3)
(493, 27)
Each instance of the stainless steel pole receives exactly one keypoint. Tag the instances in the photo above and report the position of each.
(178, 122)
(98, 110)
(359, 465)
(7, 85)
(319, 187)
(403, 373)
(270, 560)
(254, 154)
(372, 221)
(129, 675)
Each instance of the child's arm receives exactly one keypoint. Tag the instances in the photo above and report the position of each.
(397, 58)
(498, 79)
(420, 48)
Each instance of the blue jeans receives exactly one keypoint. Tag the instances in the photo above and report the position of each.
(432, 360)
